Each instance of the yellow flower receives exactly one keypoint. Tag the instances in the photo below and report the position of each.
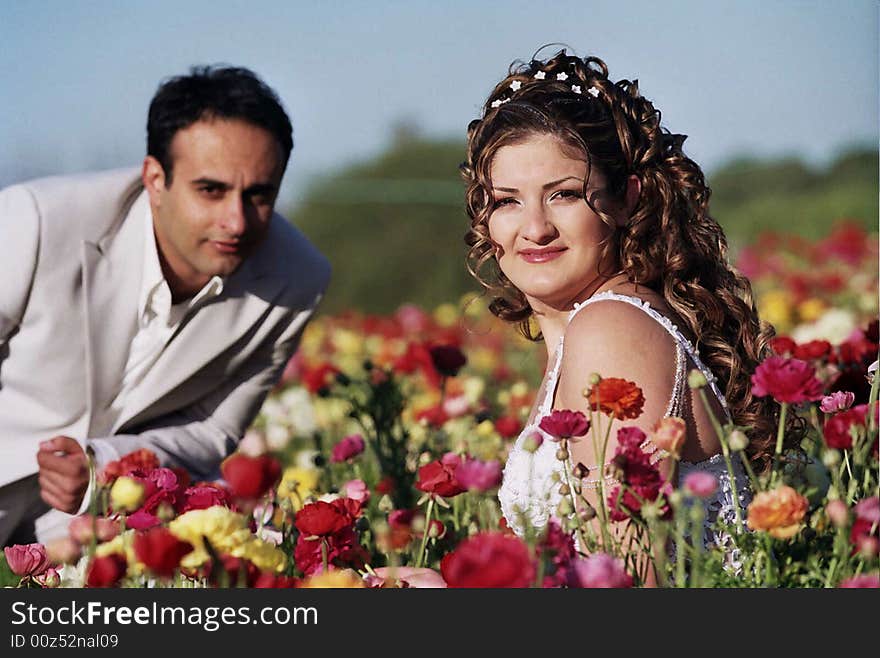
(126, 494)
(811, 309)
(483, 359)
(485, 429)
(774, 307)
(446, 315)
(297, 484)
(341, 579)
(778, 512)
(348, 342)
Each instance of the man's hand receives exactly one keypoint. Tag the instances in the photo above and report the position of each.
(64, 473)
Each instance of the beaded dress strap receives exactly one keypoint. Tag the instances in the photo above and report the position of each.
(684, 349)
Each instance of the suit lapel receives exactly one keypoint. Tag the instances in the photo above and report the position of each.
(204, 334)
(112, 270)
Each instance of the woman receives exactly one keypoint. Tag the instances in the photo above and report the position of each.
(587, 218)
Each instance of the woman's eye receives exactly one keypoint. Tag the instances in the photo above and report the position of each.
(569, 194)
(506, 201)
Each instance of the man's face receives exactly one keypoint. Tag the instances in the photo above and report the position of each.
(216, 210)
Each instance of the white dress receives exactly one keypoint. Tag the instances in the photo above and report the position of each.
(529, 485)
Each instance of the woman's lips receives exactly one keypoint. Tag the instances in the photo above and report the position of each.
(541, 255)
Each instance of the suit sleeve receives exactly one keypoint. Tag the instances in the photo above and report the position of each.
(200, 436)
(20, 239)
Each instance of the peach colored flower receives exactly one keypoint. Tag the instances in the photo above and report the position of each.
(416, 578)
(669, 434)
(616, 397)
(778, 512)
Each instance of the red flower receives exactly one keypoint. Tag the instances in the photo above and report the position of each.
(348, 448)
(815, 349)
(865, 532)
(783, 345)
(439, 478)
(106, 571)
(320, 519)
(489, 559)
(433, 416)
(637, 472)
(565, 424)
(140, 460)
(204, 496)
(232, 572)
(268, 580)
(250, 477)
(558, 545)
(786, 380)
(319, 377)
(837, 428)
(385, 485)
(616, 397)
(343, 550)
(508, 426)
(160, 551)
(447, 359)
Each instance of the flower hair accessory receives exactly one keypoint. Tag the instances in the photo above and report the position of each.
(516, 85)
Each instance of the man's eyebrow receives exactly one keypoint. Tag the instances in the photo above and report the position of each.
(546, 186)
(256, 188)
(211, 182)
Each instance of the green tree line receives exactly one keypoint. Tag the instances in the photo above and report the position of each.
(393, 226)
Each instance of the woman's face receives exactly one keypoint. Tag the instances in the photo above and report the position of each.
(550, 241)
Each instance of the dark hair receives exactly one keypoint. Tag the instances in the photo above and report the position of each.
(213, 92)
(670, 243)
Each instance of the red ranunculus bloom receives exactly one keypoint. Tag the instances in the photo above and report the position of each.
(106, 571)
(489, 559)
(565, 424)
(142, 460)
(268, 580)
(865, 532)
(348, 448)
(439, 478)
(320, 519)
(642, 477)
(160, 550)
(250, 477)
(343, 547)
(837, 428)
(786, 380)
(318, 377)
(447, 359)
(203, 496)
(617, 398)
(558, 545)
(815, 349)
(508, 426)
(783, 345)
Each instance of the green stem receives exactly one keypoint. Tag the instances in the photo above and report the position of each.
(428, 513)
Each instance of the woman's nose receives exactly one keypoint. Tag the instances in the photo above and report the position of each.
(538, 227)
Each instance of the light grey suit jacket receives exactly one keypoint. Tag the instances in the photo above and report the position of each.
(70, 274)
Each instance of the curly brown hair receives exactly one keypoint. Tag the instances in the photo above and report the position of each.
(670, 244)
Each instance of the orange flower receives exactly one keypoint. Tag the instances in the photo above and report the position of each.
(778, 512)
(616, 397)
(669, 434)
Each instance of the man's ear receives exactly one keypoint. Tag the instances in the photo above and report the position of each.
(153, 178)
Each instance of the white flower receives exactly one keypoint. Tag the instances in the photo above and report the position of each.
(540, 75)
(562, 76)
(576, 89)
(496, 104)
(515, 85)
(593, 91)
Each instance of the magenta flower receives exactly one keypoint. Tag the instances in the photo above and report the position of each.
(701, 484)
(565, 424)
(862, 581)
(600, 570)
(837, 401)
(27, 559)
(348, 448)
(786, 380)
(476, 475)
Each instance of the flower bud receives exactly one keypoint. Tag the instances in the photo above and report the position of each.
(738, 441)
(555, 477)
(594, 378)
(676, 498)
(649, 511)
(564, 489)
(838, 513)
(126, 494)
(587, 512)
(564, 508)
(580, 471)
(385, 504)
(831, 457)
(50, 578)
(165, 512)
(533, 442)
(696, 379)
(562, 455)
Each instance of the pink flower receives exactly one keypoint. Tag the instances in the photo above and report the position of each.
(84, 526)
(357, 490)
(565, 424)
(348, 448)
(476, 475)
(786, 380)
(600, 570)
(27, 559)
(416, 578)
(701, 484)
(837, 401)
(862, 581)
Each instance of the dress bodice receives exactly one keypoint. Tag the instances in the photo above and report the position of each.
(530, 487)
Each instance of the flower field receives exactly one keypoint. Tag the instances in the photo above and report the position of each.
(377, 460)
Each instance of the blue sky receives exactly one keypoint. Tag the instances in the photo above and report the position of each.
(763, 77)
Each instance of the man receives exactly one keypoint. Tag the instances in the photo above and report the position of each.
(151, 309)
